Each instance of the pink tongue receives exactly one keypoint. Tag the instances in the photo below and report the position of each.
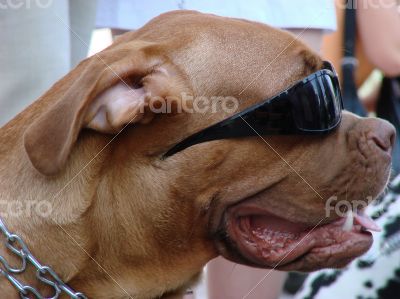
(365, 221)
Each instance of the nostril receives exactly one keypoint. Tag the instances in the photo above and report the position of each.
(385, 146)
(380, 133)
(384, 137)
(392, 139)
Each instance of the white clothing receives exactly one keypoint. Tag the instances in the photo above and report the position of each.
(132, 14)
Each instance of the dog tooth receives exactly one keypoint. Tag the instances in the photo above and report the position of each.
(348, 224)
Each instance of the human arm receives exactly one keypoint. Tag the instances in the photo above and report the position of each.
(379, 30)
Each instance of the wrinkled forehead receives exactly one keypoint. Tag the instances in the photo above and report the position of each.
(231, 57)
(206, 46)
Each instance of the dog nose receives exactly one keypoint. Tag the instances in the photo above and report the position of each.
(383, 134)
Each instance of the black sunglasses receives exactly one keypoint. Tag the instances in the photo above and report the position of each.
(311, 106)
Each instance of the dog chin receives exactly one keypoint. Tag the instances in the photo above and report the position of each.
(261, 239)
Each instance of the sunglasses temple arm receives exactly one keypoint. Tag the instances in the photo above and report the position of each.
(224, 130)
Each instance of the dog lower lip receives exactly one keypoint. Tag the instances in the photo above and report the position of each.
(268, 236)
(268, 240)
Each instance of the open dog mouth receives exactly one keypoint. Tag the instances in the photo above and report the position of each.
(270, 241)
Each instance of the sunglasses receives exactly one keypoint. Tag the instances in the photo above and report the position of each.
(312, 106)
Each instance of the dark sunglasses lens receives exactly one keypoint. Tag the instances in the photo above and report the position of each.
(317, 104)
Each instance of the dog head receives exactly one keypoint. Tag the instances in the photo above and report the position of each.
(260, 201)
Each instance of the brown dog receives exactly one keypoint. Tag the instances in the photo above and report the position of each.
(126, 222)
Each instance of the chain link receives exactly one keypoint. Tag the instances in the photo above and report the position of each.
(44, 274)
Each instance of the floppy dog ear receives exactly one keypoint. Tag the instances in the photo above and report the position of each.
(104, 93)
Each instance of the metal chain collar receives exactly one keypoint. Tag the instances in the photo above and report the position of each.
(44, 274)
